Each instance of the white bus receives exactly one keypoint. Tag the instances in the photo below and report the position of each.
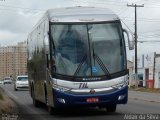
(77, 57)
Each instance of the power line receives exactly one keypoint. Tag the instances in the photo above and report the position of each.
(149, 36)
(149, 41)
(144, 20)
(127, 26)
(140, 1)
(152, 2)
(122, 11)
(115, 3)
(152, 6)
(8, 11)
(108, 1)
(150, 32)
(11, 8)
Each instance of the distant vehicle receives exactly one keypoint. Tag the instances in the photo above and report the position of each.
(1, 81)
(7, 80)
(21, 82)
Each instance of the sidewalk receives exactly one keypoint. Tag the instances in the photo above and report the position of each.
(150, 97)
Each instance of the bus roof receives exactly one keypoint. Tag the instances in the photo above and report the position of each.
(80, 14)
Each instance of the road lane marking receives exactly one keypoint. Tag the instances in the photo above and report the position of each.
(15, 97)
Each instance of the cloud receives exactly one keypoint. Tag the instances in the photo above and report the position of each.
(16, 13)
(17, 18)
(10, 38)
(29, 13)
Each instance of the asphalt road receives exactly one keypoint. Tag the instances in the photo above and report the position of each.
(26, 110)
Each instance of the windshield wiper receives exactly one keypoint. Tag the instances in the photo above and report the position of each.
(103, 67)
(99, 61)
(80, 65)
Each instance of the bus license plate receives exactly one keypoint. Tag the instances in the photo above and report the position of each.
(92, 100)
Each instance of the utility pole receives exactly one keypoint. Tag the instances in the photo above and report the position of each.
(135, 35)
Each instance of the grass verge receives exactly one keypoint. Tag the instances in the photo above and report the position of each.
(6, 104)
(1, 96)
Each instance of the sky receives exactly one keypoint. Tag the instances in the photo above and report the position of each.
(18, 17)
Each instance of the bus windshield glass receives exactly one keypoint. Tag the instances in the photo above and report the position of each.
(88, 49)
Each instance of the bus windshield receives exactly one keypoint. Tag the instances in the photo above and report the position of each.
(88, 49)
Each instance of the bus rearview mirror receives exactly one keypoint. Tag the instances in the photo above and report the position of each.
(130, 39)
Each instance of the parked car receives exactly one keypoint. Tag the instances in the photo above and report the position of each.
(21, 82)
(1, 81)
(7, 80)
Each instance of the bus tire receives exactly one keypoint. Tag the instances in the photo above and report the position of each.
(15, 89)
(111, 108)
(46, 97)
(36, 103)
(51, 110)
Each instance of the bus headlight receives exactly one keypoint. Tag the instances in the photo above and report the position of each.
(60, 88)
(121, 97)
(61, 100)
(121, 85)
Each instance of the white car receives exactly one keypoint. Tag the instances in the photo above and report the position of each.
(21, 83)
(1, 81)
(7, 80)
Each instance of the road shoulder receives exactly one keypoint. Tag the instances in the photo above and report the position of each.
(7, 106)
(145, 96)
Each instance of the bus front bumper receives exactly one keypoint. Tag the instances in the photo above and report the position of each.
(63, 99)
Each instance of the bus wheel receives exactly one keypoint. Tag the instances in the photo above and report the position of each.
(35, 102)
(51, 110)
(111, 108)
(46, 97)
(15, 89)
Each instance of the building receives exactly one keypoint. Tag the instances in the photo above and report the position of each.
(130, 68)
(149, 69)
(13, 60)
